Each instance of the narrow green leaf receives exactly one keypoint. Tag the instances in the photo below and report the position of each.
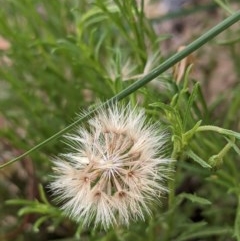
(229, 42)
(166, 108)
(20, 202)
(198, 159)
(234, 146)
(186, 77)
(190, 228)
(205, 232)
(196, 199)
(39, 222)
(190, 103)
(34, 209)
(42, 195)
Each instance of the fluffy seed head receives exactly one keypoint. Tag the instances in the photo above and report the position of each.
(115, 170)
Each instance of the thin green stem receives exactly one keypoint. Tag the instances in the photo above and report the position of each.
(171, 182)
(217, 160)
(171, 195)
(226, 149)
(138, 84)
(219, 130)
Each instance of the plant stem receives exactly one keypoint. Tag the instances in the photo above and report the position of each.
(171, 196)
(171, 182)
(219, 130)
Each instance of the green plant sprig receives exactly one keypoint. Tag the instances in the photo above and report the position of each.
(206, 37)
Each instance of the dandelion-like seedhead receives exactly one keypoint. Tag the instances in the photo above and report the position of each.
(115, 171)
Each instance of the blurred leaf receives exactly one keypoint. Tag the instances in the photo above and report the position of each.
(34, 207)
(196, 199)
(190, 102)
(237, 222)
(198, 159)
(204, 232)
(39, 222)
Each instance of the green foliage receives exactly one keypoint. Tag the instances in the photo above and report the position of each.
(42, 207)
(64, 57)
